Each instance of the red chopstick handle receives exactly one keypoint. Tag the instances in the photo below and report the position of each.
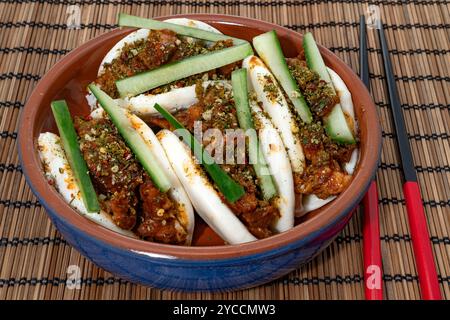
(428, 279)
(373, 268)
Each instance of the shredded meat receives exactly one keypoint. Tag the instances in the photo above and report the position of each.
(159, 222)
(123, 185)
(319, 148)
(190, 115)
(159, 122)
(161, 47)
(320, 96)
(323, 175)
(226, 70)
(137, 57)
(123, 210)
(323, 180)
(259, 220)
(187, 117)
(114, 171)
(258, 215)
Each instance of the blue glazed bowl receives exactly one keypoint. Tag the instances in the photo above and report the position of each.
(209, 265)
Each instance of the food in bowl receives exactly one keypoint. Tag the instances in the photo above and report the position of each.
(156, 86)
(121, 185)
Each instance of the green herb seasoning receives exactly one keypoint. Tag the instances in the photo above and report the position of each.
(160, 47)
(320, 96)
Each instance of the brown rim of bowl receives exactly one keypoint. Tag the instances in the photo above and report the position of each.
(368, 162)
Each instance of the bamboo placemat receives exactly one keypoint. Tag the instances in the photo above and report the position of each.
(34, 36)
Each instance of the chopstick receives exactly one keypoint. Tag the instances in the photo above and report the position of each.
(420, 237)
(373, 266)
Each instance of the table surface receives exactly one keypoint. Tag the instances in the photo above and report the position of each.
(34, 258)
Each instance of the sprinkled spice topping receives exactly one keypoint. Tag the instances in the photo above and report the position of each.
(160, 47)
(323, 175)
(112, 162)
(270, 89)
(320, 95)
(125, 190)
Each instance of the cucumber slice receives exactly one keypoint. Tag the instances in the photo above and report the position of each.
(256, 157)
(240, 96)
(76, 161)
(269, 49)
(337, 127)
(133, 138)
(314, 58)
(126, 20)
(335, 122)
(168, 73)
(231, 190)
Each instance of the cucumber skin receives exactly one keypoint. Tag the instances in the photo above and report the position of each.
(174, 71)
(69, 140)
(314, 58)
(126, 20)
(133, 138)
(266, 181)
(333, 121)
(231, 190)
(240, 95)
(269, 41)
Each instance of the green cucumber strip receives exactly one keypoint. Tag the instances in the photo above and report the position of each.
(126, 20)
(268, 47)
(134, 140)
(314, 58)
(240, 95)
(168, 73)
(76, 161)
(231, 190)
(335, 122)
(337, 127)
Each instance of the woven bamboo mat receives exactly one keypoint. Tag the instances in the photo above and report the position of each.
(34, 36)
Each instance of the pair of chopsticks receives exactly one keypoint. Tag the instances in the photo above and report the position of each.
(428, 279)
(373, 267)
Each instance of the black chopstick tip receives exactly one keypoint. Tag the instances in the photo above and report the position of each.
(362, 20)
(363, 56)
(406, 157)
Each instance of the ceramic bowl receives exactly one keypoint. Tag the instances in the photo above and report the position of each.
(209, 264)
